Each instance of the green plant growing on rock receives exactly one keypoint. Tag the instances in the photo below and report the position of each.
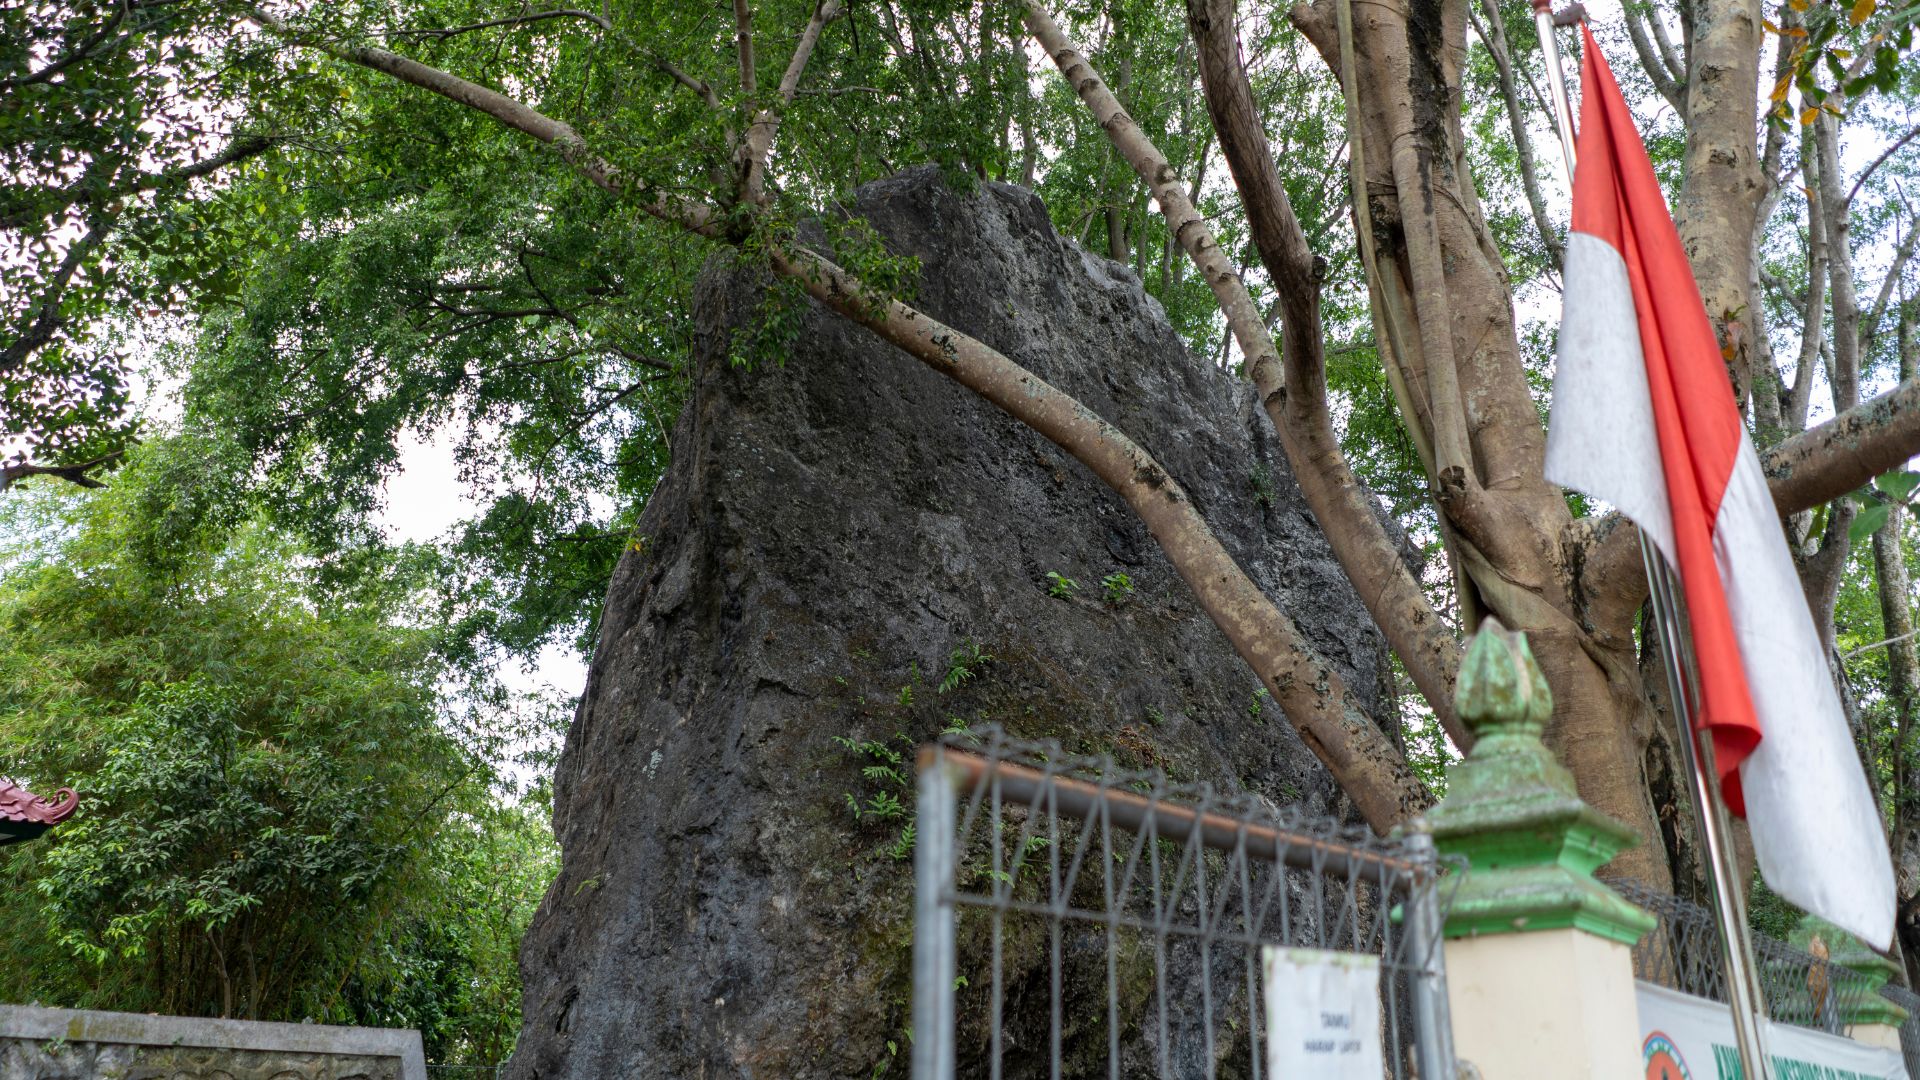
(884, 767)
(1261, 480)
(1118, 588)
(963, 663)
(1061, 587)
(902, 847)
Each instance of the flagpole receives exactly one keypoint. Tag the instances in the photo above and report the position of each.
(1543, 24)
(1744, 1000)
(1711, 820)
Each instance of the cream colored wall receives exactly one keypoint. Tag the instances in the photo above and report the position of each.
(1548, 1003)
(1884, 1036)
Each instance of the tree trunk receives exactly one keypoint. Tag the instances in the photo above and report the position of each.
(1903, 682)
(1459, 357)
(1723, 186)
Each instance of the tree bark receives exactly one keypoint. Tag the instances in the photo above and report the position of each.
(1722, 187)
(1459, 360)
(1903, 683)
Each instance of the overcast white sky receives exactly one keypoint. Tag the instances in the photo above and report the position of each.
(425, 500)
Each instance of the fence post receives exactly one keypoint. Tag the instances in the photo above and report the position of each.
(1538, 951)
(1433, 1028)
(1858, 973)
(933, 919)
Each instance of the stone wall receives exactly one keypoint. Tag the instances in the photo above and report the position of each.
(72, 1044)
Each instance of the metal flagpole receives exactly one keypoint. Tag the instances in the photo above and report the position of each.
(1710, 818)
(1710, 812)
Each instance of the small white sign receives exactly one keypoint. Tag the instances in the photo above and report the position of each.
(1323, 1015)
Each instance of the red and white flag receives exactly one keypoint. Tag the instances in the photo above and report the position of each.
(1644, 418)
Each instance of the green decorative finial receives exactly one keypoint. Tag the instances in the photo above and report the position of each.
(1856, 989)
(1530, 842)
(1501, 690)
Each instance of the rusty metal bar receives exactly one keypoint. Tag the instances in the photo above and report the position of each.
(1134, 812)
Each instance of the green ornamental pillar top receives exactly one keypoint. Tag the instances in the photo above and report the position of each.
(1511, 810)
(1856, 989)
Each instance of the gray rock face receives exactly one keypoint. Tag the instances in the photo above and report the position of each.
(831, 531)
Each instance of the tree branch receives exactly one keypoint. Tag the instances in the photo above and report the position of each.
(689, 215)
(1903, 140)
(824, 13)
(743, 45)
(515, 20)
(79, 192)
(1870, 322)
(43, 320)
(79, 53)
(1493, 34)
(1316, 701)
(1327, 714)
(698, 86)
(1670, 56)
(1671, 87)
(14, 472)
(766, 122)
(1828, 461)
(1297, 403)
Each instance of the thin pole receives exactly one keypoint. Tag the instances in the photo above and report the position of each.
(1556, 84)
(1710, 812)
(1433, 1023)
(1710, 820)
(933, 921)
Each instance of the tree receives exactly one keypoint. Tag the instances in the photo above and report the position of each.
(669, 130)
(105, 128)
(285, 815)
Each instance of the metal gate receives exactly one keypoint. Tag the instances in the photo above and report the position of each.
(1078, 920)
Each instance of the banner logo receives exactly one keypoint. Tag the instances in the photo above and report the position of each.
(1663, 1059)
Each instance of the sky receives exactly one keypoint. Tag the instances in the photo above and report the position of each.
(424, 500)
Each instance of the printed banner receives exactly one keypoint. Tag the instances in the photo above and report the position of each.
(1323, 1014)
(1683, 1037)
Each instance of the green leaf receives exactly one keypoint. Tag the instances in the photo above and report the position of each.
(1869, 522)
(1897, 486)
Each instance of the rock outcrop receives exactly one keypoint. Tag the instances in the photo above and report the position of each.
(837, 534)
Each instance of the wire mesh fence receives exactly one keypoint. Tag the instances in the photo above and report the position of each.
(1683, 953)
(1079, 920)
(1909, 1031)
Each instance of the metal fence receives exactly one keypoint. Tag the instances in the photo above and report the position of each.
(1909, 1031)
(1078, 920)
(1683, 953)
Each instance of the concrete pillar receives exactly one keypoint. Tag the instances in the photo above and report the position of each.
(1538, 951)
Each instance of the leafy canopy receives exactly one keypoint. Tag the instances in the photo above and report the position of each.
(291, 801)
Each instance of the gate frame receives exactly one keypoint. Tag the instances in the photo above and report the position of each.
(945, 773)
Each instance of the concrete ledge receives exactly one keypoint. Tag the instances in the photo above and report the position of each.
(75, 1026)
(1884, 1036)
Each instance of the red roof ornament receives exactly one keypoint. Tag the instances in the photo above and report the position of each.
(24, 815)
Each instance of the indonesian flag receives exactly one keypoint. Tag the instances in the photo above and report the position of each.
(1644, 418)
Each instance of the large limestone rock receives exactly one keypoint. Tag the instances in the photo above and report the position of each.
(831, 531)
